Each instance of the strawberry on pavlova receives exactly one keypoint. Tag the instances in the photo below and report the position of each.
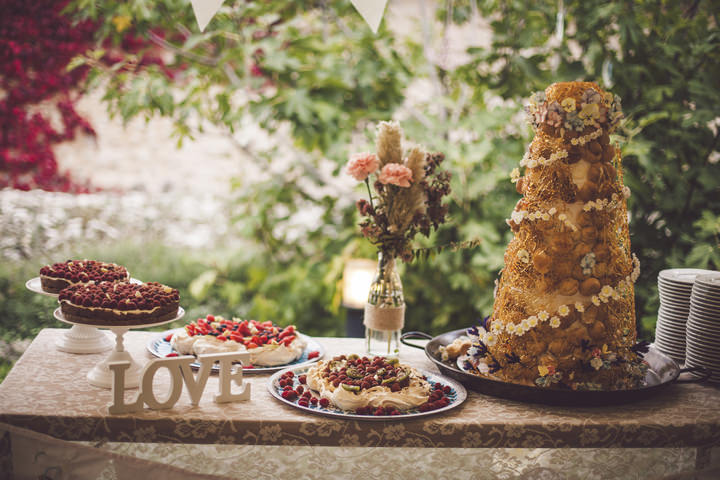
(269, 345)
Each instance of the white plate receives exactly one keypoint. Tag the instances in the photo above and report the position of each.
(682, 275)
(59, 316)
(160, 347)
(457, 395)
(711, 281)
(34, 285)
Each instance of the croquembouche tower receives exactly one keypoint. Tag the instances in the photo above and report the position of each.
(564, 305)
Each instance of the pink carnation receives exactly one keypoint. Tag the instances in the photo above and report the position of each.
(395, 174)
(361, 165)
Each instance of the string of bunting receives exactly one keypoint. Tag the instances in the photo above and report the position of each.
(371, 11)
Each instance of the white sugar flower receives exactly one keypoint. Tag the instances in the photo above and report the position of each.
(532, 321)
(532, 163)
(595, 300)
(579, 307)
(515, 175)
(552, 211)
(546, 216)
(606, 291)
(510, 328)
(564, 310)
(555, 322)
(489, 339)
(523, 255)
(562, 217)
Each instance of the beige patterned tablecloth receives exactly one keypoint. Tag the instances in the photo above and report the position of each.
(47, 392)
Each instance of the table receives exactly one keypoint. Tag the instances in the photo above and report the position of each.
(47, 392)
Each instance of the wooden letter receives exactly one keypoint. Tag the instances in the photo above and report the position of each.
(195, 386)
(175, 389)
(118, 391)
(226, 360)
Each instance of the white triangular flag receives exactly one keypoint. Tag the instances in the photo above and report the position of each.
(371, 10)
(205, 10)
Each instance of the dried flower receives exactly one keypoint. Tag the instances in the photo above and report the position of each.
(408, 192)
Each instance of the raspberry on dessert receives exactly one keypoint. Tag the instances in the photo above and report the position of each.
(53, 278)
(135, 304)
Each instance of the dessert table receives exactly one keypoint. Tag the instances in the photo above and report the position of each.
(47, 392)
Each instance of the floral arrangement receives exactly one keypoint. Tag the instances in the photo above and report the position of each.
(570, 115)
(408, 192)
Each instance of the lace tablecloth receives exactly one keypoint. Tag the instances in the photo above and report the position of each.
(47, 392)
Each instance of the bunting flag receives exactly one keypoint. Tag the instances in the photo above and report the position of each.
(205, 10)
(371, 10)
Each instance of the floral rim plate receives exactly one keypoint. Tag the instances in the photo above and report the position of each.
(457, 396)
(160, 347)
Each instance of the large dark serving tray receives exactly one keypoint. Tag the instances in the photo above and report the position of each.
(663, 371)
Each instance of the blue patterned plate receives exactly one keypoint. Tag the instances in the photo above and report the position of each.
(160, 347)
(457, 395)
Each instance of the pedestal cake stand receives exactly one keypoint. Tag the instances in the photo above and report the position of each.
(80, 338)
(100, 375)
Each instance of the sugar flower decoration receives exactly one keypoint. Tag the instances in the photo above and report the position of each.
(555, 321)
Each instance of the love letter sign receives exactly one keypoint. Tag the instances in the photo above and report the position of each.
(180, 372)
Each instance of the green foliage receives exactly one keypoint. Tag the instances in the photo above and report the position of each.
(315, 69)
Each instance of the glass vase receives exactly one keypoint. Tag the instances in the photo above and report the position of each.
(385, 310)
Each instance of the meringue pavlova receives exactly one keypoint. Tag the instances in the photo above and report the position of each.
(361, 384)
(268, 345)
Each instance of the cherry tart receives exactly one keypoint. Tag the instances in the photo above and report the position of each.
(55, 277)
(119, 303)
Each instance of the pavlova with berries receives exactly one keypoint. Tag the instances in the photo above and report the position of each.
(363, 385)
(268, 345)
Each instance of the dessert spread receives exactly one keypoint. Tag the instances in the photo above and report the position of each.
(363, 385)
(269, 345)
(119, 303)
(55, 277)
(564, 311)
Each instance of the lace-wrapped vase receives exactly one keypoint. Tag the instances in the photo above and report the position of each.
(385, 309)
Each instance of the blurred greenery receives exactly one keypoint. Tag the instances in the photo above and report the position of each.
(311, 73)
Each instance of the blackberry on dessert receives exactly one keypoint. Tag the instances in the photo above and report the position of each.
(269, 345)
(119, 303)
(57, 276)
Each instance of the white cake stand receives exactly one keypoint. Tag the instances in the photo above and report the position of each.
(100, 375)
(80, 338)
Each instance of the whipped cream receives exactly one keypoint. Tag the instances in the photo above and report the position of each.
(268, 355)
(414, 395)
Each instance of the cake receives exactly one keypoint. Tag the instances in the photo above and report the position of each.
(363, 385)
(119, 303)
(564, 311)
(54, 278)
(269, 345)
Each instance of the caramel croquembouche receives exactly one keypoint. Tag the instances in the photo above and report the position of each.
(564, 306)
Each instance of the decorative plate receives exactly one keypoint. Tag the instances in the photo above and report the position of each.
(160, 347)
(457, 395)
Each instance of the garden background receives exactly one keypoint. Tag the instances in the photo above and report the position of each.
(253, 216)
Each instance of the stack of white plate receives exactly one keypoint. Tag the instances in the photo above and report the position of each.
(675, 287)
(703, 325)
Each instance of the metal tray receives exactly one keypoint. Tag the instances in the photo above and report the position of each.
(663, 371)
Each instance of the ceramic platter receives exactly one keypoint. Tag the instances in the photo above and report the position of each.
(160, 347)
(457, 395)
(34, 285)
